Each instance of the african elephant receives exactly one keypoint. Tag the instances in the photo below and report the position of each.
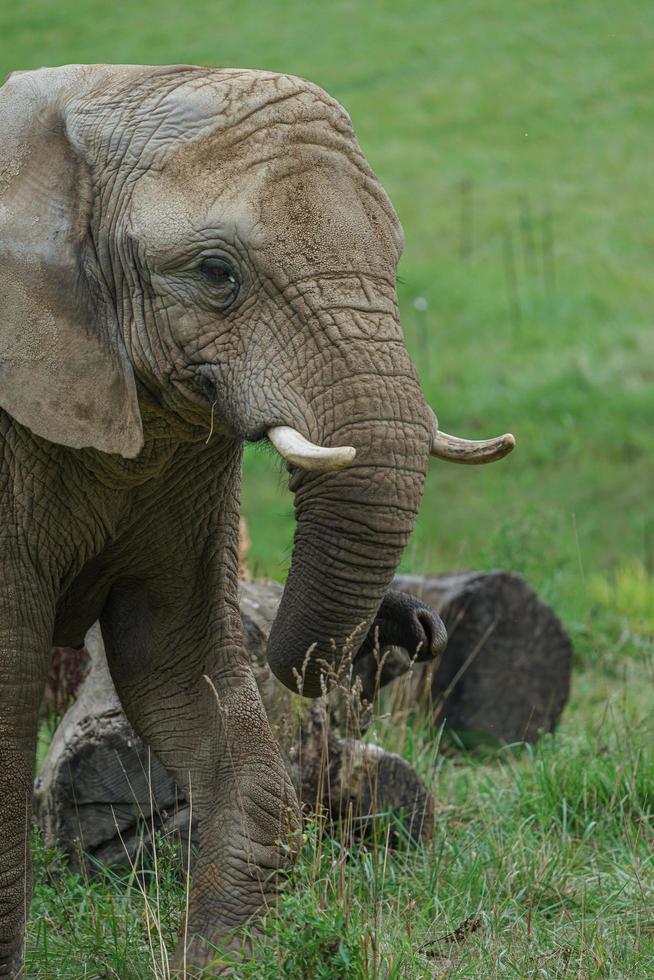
(191, 259)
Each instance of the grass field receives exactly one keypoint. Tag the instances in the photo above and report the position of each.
(516, 141)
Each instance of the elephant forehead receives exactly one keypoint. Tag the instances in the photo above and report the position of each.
(272, 157)
(309, 209)
(189, 113)
(317, 197)
(225, 99)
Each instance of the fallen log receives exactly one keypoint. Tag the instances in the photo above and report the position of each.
(505, 673)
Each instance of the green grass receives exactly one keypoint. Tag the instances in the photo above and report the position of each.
(516, 141)
(549, 851)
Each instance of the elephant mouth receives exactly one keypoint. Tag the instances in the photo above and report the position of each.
(298, 451)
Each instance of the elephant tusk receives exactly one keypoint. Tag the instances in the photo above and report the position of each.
(297, 450)
(470, 451)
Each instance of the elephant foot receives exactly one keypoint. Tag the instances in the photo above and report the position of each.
(212, 957)
(11, 963)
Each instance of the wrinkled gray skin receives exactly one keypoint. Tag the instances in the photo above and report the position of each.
(119, 351)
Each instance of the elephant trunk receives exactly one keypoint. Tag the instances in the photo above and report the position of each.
(352, 527)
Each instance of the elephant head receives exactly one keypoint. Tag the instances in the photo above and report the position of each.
(190, 249)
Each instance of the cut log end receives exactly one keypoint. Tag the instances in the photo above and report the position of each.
(506, 670)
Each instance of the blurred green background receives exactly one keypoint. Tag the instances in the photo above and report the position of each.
(516, 141)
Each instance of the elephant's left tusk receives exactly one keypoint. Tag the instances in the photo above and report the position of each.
(297, 450)
(470, 451)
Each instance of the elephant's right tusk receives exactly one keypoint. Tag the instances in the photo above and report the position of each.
(297, 450)
(470, 451)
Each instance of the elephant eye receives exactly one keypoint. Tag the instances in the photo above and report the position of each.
(221, 276)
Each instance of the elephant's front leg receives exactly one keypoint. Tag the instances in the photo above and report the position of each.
(193, 700)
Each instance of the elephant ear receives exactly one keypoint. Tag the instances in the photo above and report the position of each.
(64, 370)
